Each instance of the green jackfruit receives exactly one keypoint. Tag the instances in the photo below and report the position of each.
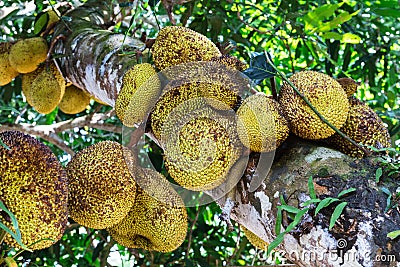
(27, 80)
(46, 90)
(102, 187)
(364, 126)
(324, 93)
(158, 219)
(74, 100)
(26, 54)
(261, 127)
(140, 89)
(33, 186)
(7, 72)
(176, 45)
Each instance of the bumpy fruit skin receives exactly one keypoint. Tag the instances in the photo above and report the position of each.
(47, 90)
(324, 93)
(26, 55)
(157, 220)
(102, 188)
(175, 45)
(349, 85)
(140, 90)
(261, 127)
(364, 126)
(7, 72)
(231, 62)
(201, 155)
(33, 186)
(254, 239)
(27, 80)
(74, 100)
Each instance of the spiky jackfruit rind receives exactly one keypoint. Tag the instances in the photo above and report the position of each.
(324, 93)
(175, 45)
(157, 220)
(102, 188)
(74, 100)
(349, 85)
(7, 72)
(140, 90)
(254, 239)
(364, 126)
(26, 83)
(47, 90)
(231, 62)
(33, 186)
(26, 54)
(261, 127)
(203, 154)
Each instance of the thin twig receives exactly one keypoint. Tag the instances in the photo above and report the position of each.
(322, 118)
(191, 231)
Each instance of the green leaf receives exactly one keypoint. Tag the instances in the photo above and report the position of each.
(13, 219)
(378, 174)
(311, 189)
(394, 234)
(332, 35)
(387, 12)
(288, 208)
(345, 192)
(314, 18)
(259, 68)
(41, 23)
(341, 18)
(310, 201)
(336, 214)
(4, 145)
(325, 203)
(351, 38)
(278, 222)
(276, 242)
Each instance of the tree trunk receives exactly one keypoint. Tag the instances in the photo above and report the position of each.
(95, 60)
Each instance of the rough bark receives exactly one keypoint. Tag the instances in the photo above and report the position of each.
(93, 62)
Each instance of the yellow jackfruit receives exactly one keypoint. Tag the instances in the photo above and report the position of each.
(74, 100)
(324, 93)
(175, 45)
(46, 90)
(158, 219)
(261, 127)
(201, 153)
(101, 185)
(231, 62)
(140, 89)
(7, 72)
(33, 186)
(27, 80)
(364, 126)
(26, 54)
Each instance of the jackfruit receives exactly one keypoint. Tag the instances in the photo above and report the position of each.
(349, 85)
(74, 100)
(364, 126)
(7, 72)
(324, 93)
(176, 45)
(33, 186)
(140, 90)
(26, 54)
(231, 62)
(158, 219)
(260, 125)
(102, 187)
(200, 155)
(26, 83)
(254, 239)
(47, 90)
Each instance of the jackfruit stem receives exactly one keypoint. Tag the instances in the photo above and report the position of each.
(322, 118)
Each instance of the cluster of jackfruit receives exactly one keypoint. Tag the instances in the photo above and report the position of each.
(33, 186)
(137, 206)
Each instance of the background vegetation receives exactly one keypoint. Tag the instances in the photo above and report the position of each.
(357, 39)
